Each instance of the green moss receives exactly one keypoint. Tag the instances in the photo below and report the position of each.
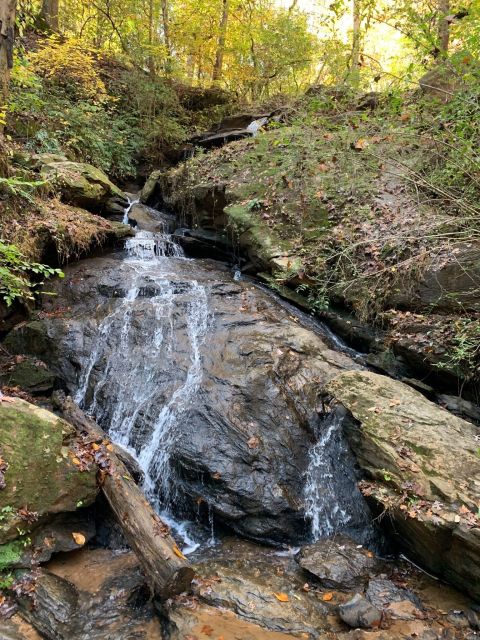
(35, 444)
(11, 553)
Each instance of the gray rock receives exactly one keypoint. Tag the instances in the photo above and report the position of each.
(358, 612)
(257, 397)
(338, 563)
(391, 435)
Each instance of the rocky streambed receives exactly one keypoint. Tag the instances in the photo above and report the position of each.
(244, 417)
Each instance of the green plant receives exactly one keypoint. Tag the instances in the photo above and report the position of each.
(15, 273)
(5, 513)
(21, 188)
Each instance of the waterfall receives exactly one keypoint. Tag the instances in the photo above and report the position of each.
(333, 502)
(126, 384)
(131, 203)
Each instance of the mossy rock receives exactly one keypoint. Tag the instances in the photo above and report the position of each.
(84, 185)
(30, 375)
(37, 447)
(425, 472)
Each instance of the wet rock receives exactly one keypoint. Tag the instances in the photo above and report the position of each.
(85, 186)
(52, 612)
(148, 219)
(256, 394)
(186, 619)
(260, 586)
(473, 617)
(358, 612)
(339, 563)
(397, 603)
(93, 594)
(16, 628)
(36, 447)
(53, 537)
(409, 445)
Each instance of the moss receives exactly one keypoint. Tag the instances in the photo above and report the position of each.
(11, 553)
(41, 475)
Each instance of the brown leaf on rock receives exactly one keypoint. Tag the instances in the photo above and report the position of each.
(79, 538)
(282, 597)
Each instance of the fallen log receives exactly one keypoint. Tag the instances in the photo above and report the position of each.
(162, 561)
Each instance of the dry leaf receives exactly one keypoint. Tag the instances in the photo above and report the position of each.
(206, 630)
(79, 538)
(177, 552)
(327, 596)
(281, 596)
(76, 461)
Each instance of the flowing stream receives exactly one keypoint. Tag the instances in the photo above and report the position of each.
(126, 384)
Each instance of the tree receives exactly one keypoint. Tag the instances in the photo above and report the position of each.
(443, 26)
(7, 36)
(49, 14)
(356, 40)
(222, 35)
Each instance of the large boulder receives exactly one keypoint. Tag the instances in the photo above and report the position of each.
(92, 594)
(181, 356)
(85, 186)
(339, 563)
(38, 472)
(425, 472)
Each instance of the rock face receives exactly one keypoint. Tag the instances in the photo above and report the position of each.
(450, 282)
(425, 469)
(228, 364)
(92, 594)
(339, 563)
(262, 587)
(85, 186)
(37, 468)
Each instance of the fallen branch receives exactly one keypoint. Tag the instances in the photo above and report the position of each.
(163, 562)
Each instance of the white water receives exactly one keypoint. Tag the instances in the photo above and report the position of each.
(122, 380)
(333, 502)
(131, 203)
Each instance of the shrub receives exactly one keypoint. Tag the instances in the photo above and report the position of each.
(15, 273)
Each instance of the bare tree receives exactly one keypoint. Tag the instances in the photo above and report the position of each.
(222, 35)
(7, 36)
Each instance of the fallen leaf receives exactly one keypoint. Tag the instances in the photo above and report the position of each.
(206, 630)
(79, 538)
(177, 552)
(281, 596)
(327, 596)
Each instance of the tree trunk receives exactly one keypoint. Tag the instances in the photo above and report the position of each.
(7, 36)
(148, 536)
(49, 14)
(443, 26)
(218, 67)
(356, 41)
(151, 36)
(166, 35)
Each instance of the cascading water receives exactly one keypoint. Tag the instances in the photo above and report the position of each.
(131, 203)
(120, 384)
(333, 502)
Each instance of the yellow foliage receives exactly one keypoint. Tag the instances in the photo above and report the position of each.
(68, 64)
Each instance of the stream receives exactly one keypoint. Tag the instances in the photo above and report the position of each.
(211, 382)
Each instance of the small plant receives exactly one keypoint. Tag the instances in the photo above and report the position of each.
(15, 273)
(5, 512)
